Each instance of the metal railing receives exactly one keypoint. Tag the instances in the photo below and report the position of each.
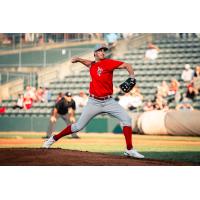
(41, 58)
(28, 78)
(13, 41)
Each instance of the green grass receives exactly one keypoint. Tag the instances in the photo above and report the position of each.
(181, 153)
(173, 148)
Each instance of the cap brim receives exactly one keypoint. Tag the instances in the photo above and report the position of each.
(105, 48)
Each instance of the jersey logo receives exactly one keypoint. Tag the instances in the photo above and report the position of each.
(99, 71)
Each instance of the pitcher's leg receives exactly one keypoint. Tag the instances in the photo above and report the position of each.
(127, 131)
(66, 120)
(115, 110)
(90, 111)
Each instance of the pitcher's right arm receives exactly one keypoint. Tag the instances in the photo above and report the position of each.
(85, 62)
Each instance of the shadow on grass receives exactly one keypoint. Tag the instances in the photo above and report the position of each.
(183, 156)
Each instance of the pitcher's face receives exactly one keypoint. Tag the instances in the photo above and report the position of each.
(100, 54)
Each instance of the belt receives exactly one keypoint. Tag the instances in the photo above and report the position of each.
(101, 98)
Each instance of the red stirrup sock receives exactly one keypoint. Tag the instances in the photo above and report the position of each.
(66, 131)
(127, 130)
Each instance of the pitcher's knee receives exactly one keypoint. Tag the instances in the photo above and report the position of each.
(76, 127)
(127, 121)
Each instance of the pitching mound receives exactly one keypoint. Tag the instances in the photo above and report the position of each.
(61, 157)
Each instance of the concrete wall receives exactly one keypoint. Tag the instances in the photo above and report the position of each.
(124, 46)
(11, 88)
(40, 124)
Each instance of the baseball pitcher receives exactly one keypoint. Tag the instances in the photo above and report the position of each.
(100, 100)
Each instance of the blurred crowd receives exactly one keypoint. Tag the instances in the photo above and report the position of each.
(151, 52)
(13, 39)
(32, 95)
(182, 93)
(166, 93)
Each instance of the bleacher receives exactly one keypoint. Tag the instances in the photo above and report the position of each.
(173, 55)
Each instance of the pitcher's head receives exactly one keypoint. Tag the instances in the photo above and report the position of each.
(99, 52)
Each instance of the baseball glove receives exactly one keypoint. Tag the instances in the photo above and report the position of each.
(128, 85)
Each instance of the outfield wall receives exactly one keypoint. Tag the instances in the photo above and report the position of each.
(152, 122)
(40, 124)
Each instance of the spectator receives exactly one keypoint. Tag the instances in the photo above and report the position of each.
(163, 89)
(127, 35)
(20, 102)
(28, 102)
(194, 35)
(2, 107)
(185, 104)
(40, 94)
(33, 94)
(27, 92)
(184, 35)
(6, 40)
(173, 93)
(41, 39)
(196, 78)
(148, 106)
(191, 92)
(174, 86)
(151, 52)
(137, 97)
(160, 102)
(31, 91)
(131, 101)
(126, 101)
(165, 106)
(47, 95)
(111, 39)
(81, 101)
(197, 71)
(136, 92)
(50, 41)
(98, 36)
(187, 74)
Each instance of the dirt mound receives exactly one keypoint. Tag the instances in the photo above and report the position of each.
(62, 157)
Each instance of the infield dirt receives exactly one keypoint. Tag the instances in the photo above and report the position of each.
(63, 157)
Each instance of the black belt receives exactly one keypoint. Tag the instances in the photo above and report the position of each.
(101, 98)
